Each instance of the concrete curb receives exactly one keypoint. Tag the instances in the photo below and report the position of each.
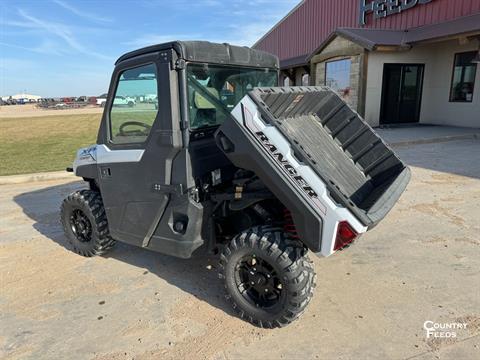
(435, 140)
(26, 178)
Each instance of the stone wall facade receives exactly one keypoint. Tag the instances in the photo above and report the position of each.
(339, 49)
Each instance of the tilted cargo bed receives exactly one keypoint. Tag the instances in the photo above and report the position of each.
(359, 170)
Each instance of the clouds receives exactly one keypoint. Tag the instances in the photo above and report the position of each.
(72, 44)
(81, 13)
(252, 19)
(51, 37)
(45, 47)
(40, 43)
(59, 31)
(239, 22)
(247, 35)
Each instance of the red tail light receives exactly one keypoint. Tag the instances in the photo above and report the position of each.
(345, 235)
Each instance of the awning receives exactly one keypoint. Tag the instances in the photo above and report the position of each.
(294, 62)
(371, 39)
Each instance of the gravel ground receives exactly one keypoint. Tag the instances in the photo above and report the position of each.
(31, 110)
(421, 263)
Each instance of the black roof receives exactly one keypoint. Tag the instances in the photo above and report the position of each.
(207, 52)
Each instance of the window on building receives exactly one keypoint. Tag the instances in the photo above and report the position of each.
(463, 78)
(337, 75)
(134, 106)
(305, 80)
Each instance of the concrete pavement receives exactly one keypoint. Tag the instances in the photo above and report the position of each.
(42, 176)
(426, 134)
(421, 263)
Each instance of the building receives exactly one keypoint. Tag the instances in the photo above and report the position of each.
(394, 61)
(22, 97)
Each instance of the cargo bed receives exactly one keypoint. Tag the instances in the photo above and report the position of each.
(359, 170)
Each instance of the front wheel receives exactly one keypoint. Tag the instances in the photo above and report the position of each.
(269, 279)
(85, 223)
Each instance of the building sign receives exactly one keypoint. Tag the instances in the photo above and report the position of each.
(384, 8)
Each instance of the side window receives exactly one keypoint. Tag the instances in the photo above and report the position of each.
(463, 79)
(135, 105)
(337, 75)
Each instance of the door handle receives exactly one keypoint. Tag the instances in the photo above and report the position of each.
(105, 172)
(169, 189)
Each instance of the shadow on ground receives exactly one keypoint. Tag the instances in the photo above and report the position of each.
(197, 276)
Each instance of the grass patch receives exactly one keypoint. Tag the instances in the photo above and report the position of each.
(46, 143)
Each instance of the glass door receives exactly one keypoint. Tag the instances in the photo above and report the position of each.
(401, 93)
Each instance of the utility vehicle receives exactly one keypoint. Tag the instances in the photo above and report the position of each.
(226, 161)
(124, 100)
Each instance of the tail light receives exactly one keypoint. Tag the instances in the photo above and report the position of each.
(345, 235)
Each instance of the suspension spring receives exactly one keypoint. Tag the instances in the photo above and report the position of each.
(288, 225)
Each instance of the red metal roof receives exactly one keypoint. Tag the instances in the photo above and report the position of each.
(312, 21)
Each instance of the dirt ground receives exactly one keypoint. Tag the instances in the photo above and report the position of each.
(421, 263)
(31, 110)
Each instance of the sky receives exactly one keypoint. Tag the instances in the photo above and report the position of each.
(56, 48)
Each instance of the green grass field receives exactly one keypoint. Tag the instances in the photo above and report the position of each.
(46, 143)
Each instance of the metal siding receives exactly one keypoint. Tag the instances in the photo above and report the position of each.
(313, 21)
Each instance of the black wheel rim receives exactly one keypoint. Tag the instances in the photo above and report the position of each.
(81, 226)
(258, 282)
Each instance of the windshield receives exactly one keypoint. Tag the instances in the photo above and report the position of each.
(213, 90)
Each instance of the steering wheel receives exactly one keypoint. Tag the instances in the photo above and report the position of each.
(139, 132)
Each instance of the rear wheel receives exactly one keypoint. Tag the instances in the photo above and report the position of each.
(85, 223)
(268, 277)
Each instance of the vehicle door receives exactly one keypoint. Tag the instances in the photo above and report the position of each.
(137, 144)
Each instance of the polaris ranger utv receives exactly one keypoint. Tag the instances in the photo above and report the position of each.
(223, 159)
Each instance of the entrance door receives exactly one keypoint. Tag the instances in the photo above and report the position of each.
(401, 93)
